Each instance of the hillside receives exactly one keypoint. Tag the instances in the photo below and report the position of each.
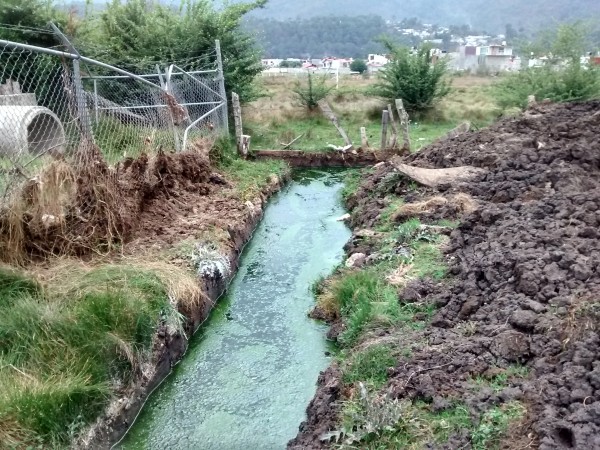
(491, 16)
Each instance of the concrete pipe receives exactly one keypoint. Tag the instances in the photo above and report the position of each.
(32, 129)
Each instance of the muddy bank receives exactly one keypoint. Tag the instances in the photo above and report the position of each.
(523, 296)
(184, 204)
(298, 158)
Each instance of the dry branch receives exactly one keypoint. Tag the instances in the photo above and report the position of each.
(327, 112)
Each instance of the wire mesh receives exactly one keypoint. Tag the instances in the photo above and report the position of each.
(38, 112)
(49, 104)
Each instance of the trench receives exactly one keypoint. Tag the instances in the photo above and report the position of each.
(251, 370)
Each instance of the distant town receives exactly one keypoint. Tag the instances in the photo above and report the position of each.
(471, 53)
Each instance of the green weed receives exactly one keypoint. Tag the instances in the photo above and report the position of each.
(380, 422)
(494, 424)
(428, 261)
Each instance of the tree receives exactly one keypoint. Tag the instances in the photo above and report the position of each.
(310, 94)
(290, 64)
(136, 33)
(413, 77)
(358, 65)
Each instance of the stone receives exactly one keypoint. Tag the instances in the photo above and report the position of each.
(356, 260)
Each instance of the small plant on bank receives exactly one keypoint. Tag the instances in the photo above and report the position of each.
(312, 92)
(413, 77)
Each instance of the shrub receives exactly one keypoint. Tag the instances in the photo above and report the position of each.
(562, 78)
(413, 77)
(314, 90)
(358, 65)
(559, 84)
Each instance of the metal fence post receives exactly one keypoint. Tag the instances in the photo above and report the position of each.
(80, 103)
(96, 100)
(221, 80)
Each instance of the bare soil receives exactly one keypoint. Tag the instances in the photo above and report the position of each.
(525, 282)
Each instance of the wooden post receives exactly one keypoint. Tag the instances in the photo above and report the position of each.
(239, 132)
(385, 117)
(327, 112)
(394, 137)
(363, 138)
(245, 145)
(404, 123)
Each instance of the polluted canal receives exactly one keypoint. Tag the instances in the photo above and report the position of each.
(252, 369)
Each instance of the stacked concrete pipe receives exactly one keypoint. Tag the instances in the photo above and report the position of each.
(29, 129)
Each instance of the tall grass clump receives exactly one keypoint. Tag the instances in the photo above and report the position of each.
(357, 297)
(66, 349)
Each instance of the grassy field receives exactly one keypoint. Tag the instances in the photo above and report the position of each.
(277, 118)
(69, 344)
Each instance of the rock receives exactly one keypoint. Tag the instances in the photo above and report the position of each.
(523, 319)
(364, 233)
(356, 260)
(343, 218)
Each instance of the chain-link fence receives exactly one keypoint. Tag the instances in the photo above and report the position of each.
(52, 100)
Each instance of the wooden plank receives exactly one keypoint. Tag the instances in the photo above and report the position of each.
(327, 112)
(363, 138)
(385, 118)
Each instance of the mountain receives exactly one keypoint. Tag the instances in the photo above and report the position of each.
(491, 16)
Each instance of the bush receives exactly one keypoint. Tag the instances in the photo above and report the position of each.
(414, 78)
(563, 77)
(358, 65)
(310, 94)
(573, 82)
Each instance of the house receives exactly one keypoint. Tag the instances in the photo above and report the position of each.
(267, 63)
(377, 60)
(332, 63)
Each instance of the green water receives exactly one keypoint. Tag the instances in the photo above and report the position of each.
(251, 371)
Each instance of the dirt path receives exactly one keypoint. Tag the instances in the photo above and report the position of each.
(520, 312)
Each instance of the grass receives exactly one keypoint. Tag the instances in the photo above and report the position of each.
(65, 349)
(364, 301)
(278, 118)
(250, 177)
(369, 365)
(499, 381)
(351, 183)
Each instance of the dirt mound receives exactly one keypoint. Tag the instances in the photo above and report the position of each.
(74, 208)
(526, 275)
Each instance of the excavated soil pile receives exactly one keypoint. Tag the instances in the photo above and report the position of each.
(72, 209)
(525, 284)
